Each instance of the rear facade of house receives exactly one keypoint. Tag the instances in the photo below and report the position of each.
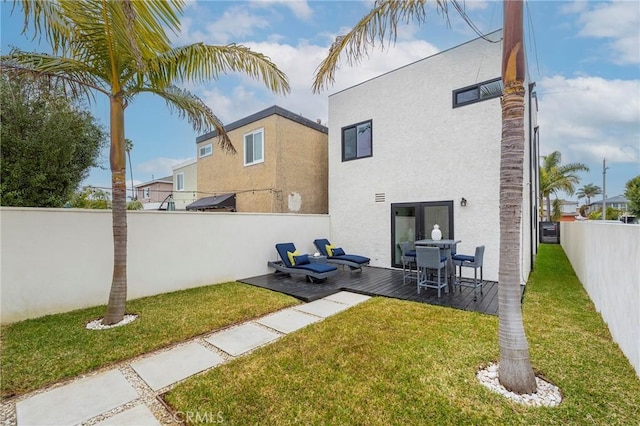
(420, 146)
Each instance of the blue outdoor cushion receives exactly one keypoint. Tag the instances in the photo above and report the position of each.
(338, 251)
(303, 259)
(317, 267)
(463, 258)
(353, 258)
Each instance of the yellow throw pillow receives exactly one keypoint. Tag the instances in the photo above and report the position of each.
(329, 249)
(291, 257)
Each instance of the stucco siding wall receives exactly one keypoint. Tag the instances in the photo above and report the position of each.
(302, 168)
(56, 260)
(188, 195)
(423, 150)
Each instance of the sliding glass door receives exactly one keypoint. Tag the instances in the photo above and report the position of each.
(414, 221)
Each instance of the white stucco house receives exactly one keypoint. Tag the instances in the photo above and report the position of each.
(185, 183)
(420, 146)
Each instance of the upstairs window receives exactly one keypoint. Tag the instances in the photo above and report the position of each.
(254, 147)
(357, 141)
(180, 182)
(206, 150)
(477, 93)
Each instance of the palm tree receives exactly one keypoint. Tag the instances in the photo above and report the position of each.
(128, 146)
(121, 49)
(589, 190)
(556, 177)
(515, 371)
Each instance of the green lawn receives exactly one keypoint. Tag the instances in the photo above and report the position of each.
(45, 350)
(393, 362)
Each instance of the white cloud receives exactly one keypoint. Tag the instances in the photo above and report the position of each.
(618, 21)
(159, 167)
(300, 8)
(590, 118)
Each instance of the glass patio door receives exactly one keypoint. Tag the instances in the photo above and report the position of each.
(414, 221)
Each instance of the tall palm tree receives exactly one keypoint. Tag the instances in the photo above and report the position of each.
(589, 190)
(128, 146)
(121, 49)
(556, 177)
(515, 371)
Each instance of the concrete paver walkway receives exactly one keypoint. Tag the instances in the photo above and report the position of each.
(112, 398)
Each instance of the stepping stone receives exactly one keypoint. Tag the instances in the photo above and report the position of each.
(287, 320)
(347, 298)
(76, 402)
(139, 415)
(238, 340)
(322, 308)
(176, 364)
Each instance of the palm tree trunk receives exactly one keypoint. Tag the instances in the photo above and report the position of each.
(118, 293)
(548, 199)
(515, 372)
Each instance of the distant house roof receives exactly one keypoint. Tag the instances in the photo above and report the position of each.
(263, 114)
(618, 199)
(166, 179)
(216, 202)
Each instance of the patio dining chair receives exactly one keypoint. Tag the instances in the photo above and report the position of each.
(408, 261)
(432, 268)
(475, 262)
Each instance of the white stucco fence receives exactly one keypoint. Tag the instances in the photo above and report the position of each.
(606, 259)
(57, 260)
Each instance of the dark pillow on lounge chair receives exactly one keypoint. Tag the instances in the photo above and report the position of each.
(338, 251)
(303, 259)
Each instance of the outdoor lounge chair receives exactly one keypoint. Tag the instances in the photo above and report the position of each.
(338, 256)
(299, 264)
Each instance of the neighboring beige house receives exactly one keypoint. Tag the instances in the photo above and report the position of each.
(280, 165)
(152, 194)
(185, 184)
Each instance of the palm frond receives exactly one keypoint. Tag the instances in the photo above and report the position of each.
(199, 115)
(47, 18)
(380, 24)
(200, 62)
(70, 75)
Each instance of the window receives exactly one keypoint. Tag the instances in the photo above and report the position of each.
(477, 93)
(253, 147)
(180, 182)
(206, 150)
(146, 193)
(356, 141)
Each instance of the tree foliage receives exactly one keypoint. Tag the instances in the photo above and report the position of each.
(588, 191)
(632, 194)
(90, 198)
(555, 177)
(48, 144)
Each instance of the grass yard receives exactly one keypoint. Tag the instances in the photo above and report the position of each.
(41, 351)
(392, 362)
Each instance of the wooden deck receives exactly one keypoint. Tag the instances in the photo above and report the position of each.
(374, 281)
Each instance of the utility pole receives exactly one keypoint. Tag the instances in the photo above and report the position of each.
(604, 190)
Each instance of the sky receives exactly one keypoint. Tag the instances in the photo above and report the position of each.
(584, 57)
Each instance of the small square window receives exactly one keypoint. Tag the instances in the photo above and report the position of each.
(357, 141)
(205, 150)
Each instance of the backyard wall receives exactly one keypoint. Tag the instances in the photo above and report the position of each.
(606, 259)
(57, 260)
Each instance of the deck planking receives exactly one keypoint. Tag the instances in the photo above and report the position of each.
(375, 281)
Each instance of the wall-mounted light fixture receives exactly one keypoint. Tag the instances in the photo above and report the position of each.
(463, 202)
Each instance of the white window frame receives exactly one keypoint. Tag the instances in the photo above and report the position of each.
(244, 143)
(179, 181)
(146, 192)
(205, 150)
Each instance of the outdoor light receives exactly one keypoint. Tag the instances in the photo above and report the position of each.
(463, 202)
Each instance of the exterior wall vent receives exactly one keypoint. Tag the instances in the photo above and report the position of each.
(380, 197)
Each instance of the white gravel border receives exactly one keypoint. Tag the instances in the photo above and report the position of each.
(546, 395)
(97, 324)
